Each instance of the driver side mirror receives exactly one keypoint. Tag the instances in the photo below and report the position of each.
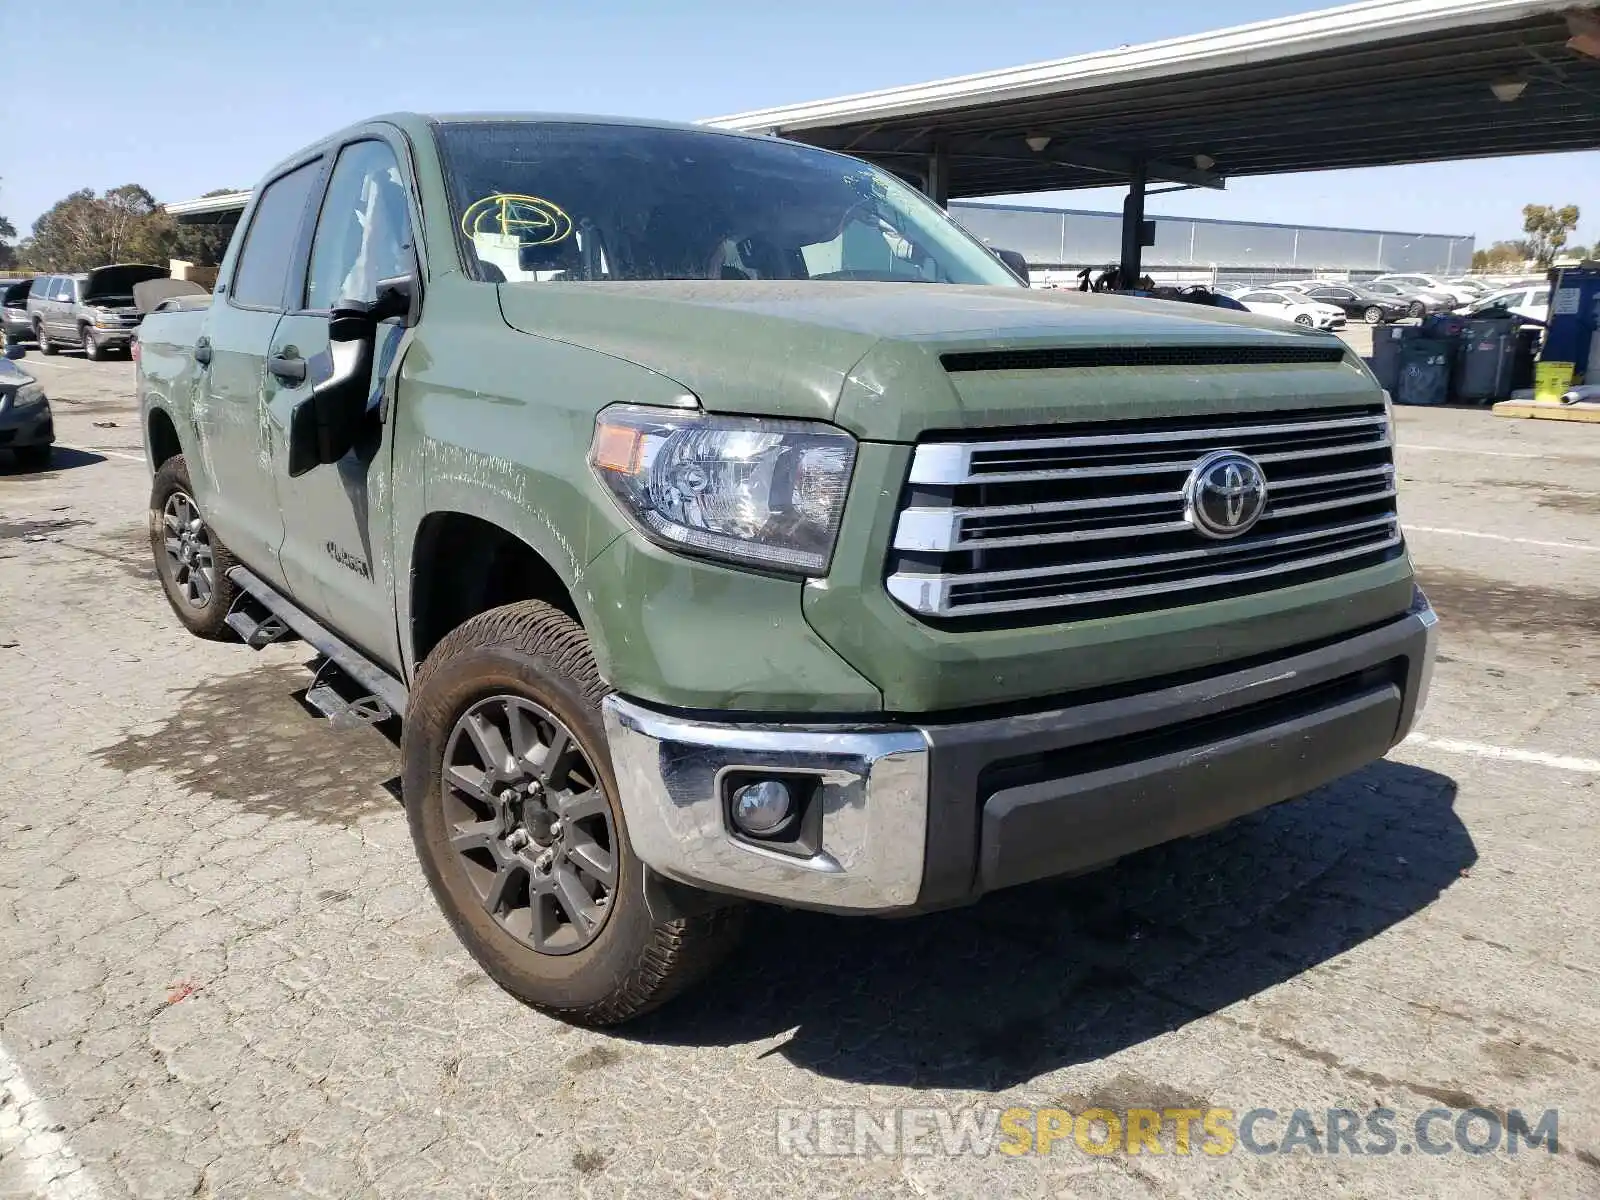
(1015, 262)
(324, 426)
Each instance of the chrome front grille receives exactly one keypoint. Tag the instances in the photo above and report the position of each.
(1091, 518)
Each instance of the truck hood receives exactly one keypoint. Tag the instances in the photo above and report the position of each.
(867, 355)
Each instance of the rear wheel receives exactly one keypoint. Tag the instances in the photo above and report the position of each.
(513, 808)
(91, 345)
(1373, 315)
(42, 336)
(192, 563)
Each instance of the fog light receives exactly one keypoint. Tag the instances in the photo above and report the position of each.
(761, 808)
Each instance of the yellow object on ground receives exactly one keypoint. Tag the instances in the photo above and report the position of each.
(1548, 410)
(1552, 379)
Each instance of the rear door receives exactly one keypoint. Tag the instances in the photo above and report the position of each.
(58, 313)
(238, 494)
(337, 529)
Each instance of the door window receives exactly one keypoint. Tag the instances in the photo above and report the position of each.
(263, 270)
(364, 231)
(63, 292)
(1541, 298)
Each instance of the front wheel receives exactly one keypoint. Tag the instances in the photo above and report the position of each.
(1373, 315)
(191, 562)
(513, 808)
(1302, 319)
(91, 346)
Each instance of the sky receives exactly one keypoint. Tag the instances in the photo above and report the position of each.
(184, 96)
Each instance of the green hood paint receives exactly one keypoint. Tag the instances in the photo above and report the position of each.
(866, 355)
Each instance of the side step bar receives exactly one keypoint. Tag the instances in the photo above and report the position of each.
(346, 657)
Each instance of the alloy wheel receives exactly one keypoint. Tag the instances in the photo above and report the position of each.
(529, 822)
(188, 546)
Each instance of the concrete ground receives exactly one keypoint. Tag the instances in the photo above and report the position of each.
(221, 974)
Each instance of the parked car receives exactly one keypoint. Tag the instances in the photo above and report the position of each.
(1530, 303)
(94, 310)
(709, 545)
(1356, 301)
(1477, 286)
(1418, 304)
(1299, 309)
(26, 426)
(15, 323)
(1430, 284)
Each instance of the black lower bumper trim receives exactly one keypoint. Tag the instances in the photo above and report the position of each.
(1048, 793)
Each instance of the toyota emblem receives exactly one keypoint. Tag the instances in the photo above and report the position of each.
(1224, 494)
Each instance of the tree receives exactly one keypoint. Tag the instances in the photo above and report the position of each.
(123, 224)
(1502, 256)
(1547, 230)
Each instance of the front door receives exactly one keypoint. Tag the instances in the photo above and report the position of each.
(234, 480)
(336, 551)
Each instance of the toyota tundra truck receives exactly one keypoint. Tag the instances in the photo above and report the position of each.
(716, 521)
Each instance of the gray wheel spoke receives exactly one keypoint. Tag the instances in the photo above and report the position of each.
(524, 734)
(591, 858)
(173, 546)
(557, 760)
(491, 746)
(480, 835)
(495, 901)
(472, 781)
(586, 804)
(574, 901)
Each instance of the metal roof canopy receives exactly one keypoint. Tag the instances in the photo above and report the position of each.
(1371, 84)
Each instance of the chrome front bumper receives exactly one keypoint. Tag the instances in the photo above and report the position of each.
(906, 823)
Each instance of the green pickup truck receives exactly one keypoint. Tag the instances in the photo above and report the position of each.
(717, 521)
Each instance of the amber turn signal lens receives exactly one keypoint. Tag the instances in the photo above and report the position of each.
(616, 448)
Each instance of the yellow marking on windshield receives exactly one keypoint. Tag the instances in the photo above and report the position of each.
(532, 220)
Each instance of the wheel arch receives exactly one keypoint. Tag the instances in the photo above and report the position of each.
(463, 565)
(161, 438)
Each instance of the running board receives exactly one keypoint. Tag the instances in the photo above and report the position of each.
(378, 682)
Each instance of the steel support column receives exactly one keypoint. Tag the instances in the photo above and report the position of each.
(939, 175)
(1133, 226)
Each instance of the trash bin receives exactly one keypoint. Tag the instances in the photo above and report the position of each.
(1486, 360)
(1425, 368)
(1387, 343)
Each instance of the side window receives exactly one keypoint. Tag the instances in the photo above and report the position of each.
(1541, 298)
(43, 288)
(63, 290)
(364, 230)
(263, 268)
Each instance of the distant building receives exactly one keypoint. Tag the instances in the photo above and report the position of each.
(1058, 242)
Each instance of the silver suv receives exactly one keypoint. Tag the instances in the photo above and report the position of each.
(94, 310)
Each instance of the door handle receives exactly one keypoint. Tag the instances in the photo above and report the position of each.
(202, 352)
(289, 370)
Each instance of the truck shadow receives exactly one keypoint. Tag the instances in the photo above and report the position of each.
(1055, 974)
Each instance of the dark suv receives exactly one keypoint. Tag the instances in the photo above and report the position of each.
(94, 310)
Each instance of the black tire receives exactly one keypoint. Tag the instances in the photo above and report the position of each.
(1417, 309)
(535, 653)
(33, 458)
(1373, 315)
(204, 615)
(91, 348)
(1302, 319)
(42, 336)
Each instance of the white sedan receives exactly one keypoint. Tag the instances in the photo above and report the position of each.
(1292, 308)
(1530, 302)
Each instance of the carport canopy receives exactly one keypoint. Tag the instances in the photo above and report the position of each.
(1380, 83)
(1373, 84)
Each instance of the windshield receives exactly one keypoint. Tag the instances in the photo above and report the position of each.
(582, 201)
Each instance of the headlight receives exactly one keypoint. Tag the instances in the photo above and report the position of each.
(104, 316)
(767, 493)
(1388, 412)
